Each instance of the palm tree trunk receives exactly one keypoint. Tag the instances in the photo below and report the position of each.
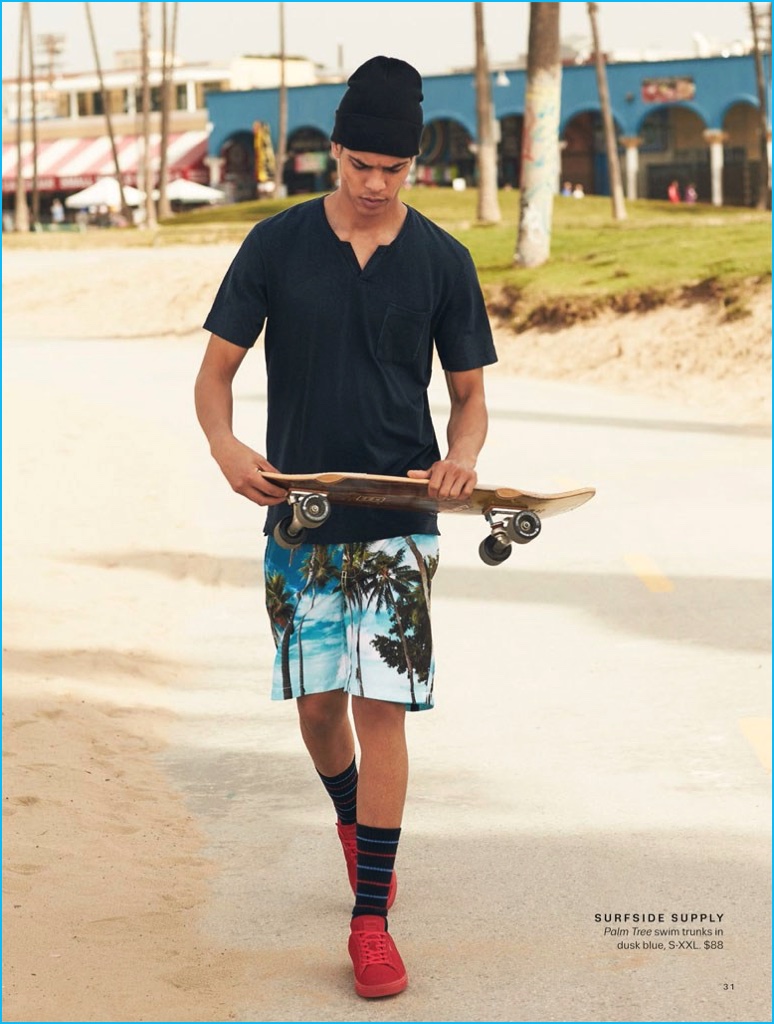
(404, 643)
(764, 178)
(287, 687)
(488, 205)
(282, 130)
(540, 148)
(150, 209)
(27, 14)
(21, 219)
(163, 203)
(125, 211)
(168, 40)
(611, 143)
(358, 658)
(422, 567)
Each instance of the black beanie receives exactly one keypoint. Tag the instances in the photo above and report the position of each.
(381, 111)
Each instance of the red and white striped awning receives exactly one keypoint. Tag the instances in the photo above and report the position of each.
(66, 165)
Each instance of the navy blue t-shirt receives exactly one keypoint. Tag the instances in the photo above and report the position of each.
(349, 351)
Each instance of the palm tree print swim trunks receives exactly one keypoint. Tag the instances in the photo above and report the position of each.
(353, 617)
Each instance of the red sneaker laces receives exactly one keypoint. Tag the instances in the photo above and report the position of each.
(372, 947)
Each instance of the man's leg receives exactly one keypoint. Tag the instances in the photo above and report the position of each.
(380, 726)
(326, 730)
(327, 734)
(381, 732)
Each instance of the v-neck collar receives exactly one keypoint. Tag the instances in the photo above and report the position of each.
(348, 253)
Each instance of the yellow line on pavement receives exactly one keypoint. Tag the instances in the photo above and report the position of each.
(757, 732)
(649, 573)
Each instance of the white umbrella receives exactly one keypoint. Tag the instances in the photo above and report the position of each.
(183, 191)
(105, 192)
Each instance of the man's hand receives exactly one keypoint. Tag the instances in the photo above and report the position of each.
(455, 476)
(447, 479)
(242, 467)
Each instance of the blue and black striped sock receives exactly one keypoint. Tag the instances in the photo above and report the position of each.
(376, 850)
(342, 789)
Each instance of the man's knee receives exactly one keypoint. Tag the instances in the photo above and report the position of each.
(379, 715)
(319, 713)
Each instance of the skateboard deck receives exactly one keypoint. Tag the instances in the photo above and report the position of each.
(514, 515)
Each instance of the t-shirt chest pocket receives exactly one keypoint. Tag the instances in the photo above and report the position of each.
(402, 334)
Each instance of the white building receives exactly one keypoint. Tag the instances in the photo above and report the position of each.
(73, 147)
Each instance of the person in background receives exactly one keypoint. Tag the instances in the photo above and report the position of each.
(579, 192)
(691, 195)
(673, 192)
(57, 212)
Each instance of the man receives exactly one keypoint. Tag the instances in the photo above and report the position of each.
(355, 290)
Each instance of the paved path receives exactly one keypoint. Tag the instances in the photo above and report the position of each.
(598, 744)
(595, 750)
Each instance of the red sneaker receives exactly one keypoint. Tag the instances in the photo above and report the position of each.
(379, 970)
(348, 838)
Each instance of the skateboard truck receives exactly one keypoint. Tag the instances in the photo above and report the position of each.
(307, 512)
(513, 528)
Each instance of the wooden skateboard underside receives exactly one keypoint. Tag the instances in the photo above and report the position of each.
(395, 492)
(514, 516)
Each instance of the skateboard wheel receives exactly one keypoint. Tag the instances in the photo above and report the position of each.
(493, 550)
(524, 527)
(287, 539)
(313, 510)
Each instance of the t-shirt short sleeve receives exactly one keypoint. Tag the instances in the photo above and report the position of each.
(463, 335)
(240, 307)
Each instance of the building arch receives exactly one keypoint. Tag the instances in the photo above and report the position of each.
(309, 166)
(450, 114)
(656, 108)
(740, 99)
(509, 150)
(584, 152)
(238, 169)
(741, 152)
(674, 148)
(446, 153)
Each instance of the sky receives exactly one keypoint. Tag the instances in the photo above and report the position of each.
(434, 37)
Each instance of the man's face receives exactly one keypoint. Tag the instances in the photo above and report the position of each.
(370, 181)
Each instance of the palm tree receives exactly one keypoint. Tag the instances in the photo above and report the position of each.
(426, 572)
(611, 143)
(21, 220)
(150, 209)
(413, 615)
(27, 16)
(278, 604)
(354, 586)
(281, 611)
(488, 206)
(282, 130)
(390, 582)
(125, 212)
(167, 65)
(320, 570)
(540, 163)
(764, 179)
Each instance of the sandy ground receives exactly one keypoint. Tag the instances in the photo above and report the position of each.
(690, 352)
(100, 855)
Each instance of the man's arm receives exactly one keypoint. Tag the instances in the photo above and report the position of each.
(214, 399)
(455, 476)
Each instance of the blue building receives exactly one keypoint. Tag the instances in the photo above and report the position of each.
(693, 120)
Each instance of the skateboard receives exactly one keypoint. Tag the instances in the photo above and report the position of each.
(514, 516)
